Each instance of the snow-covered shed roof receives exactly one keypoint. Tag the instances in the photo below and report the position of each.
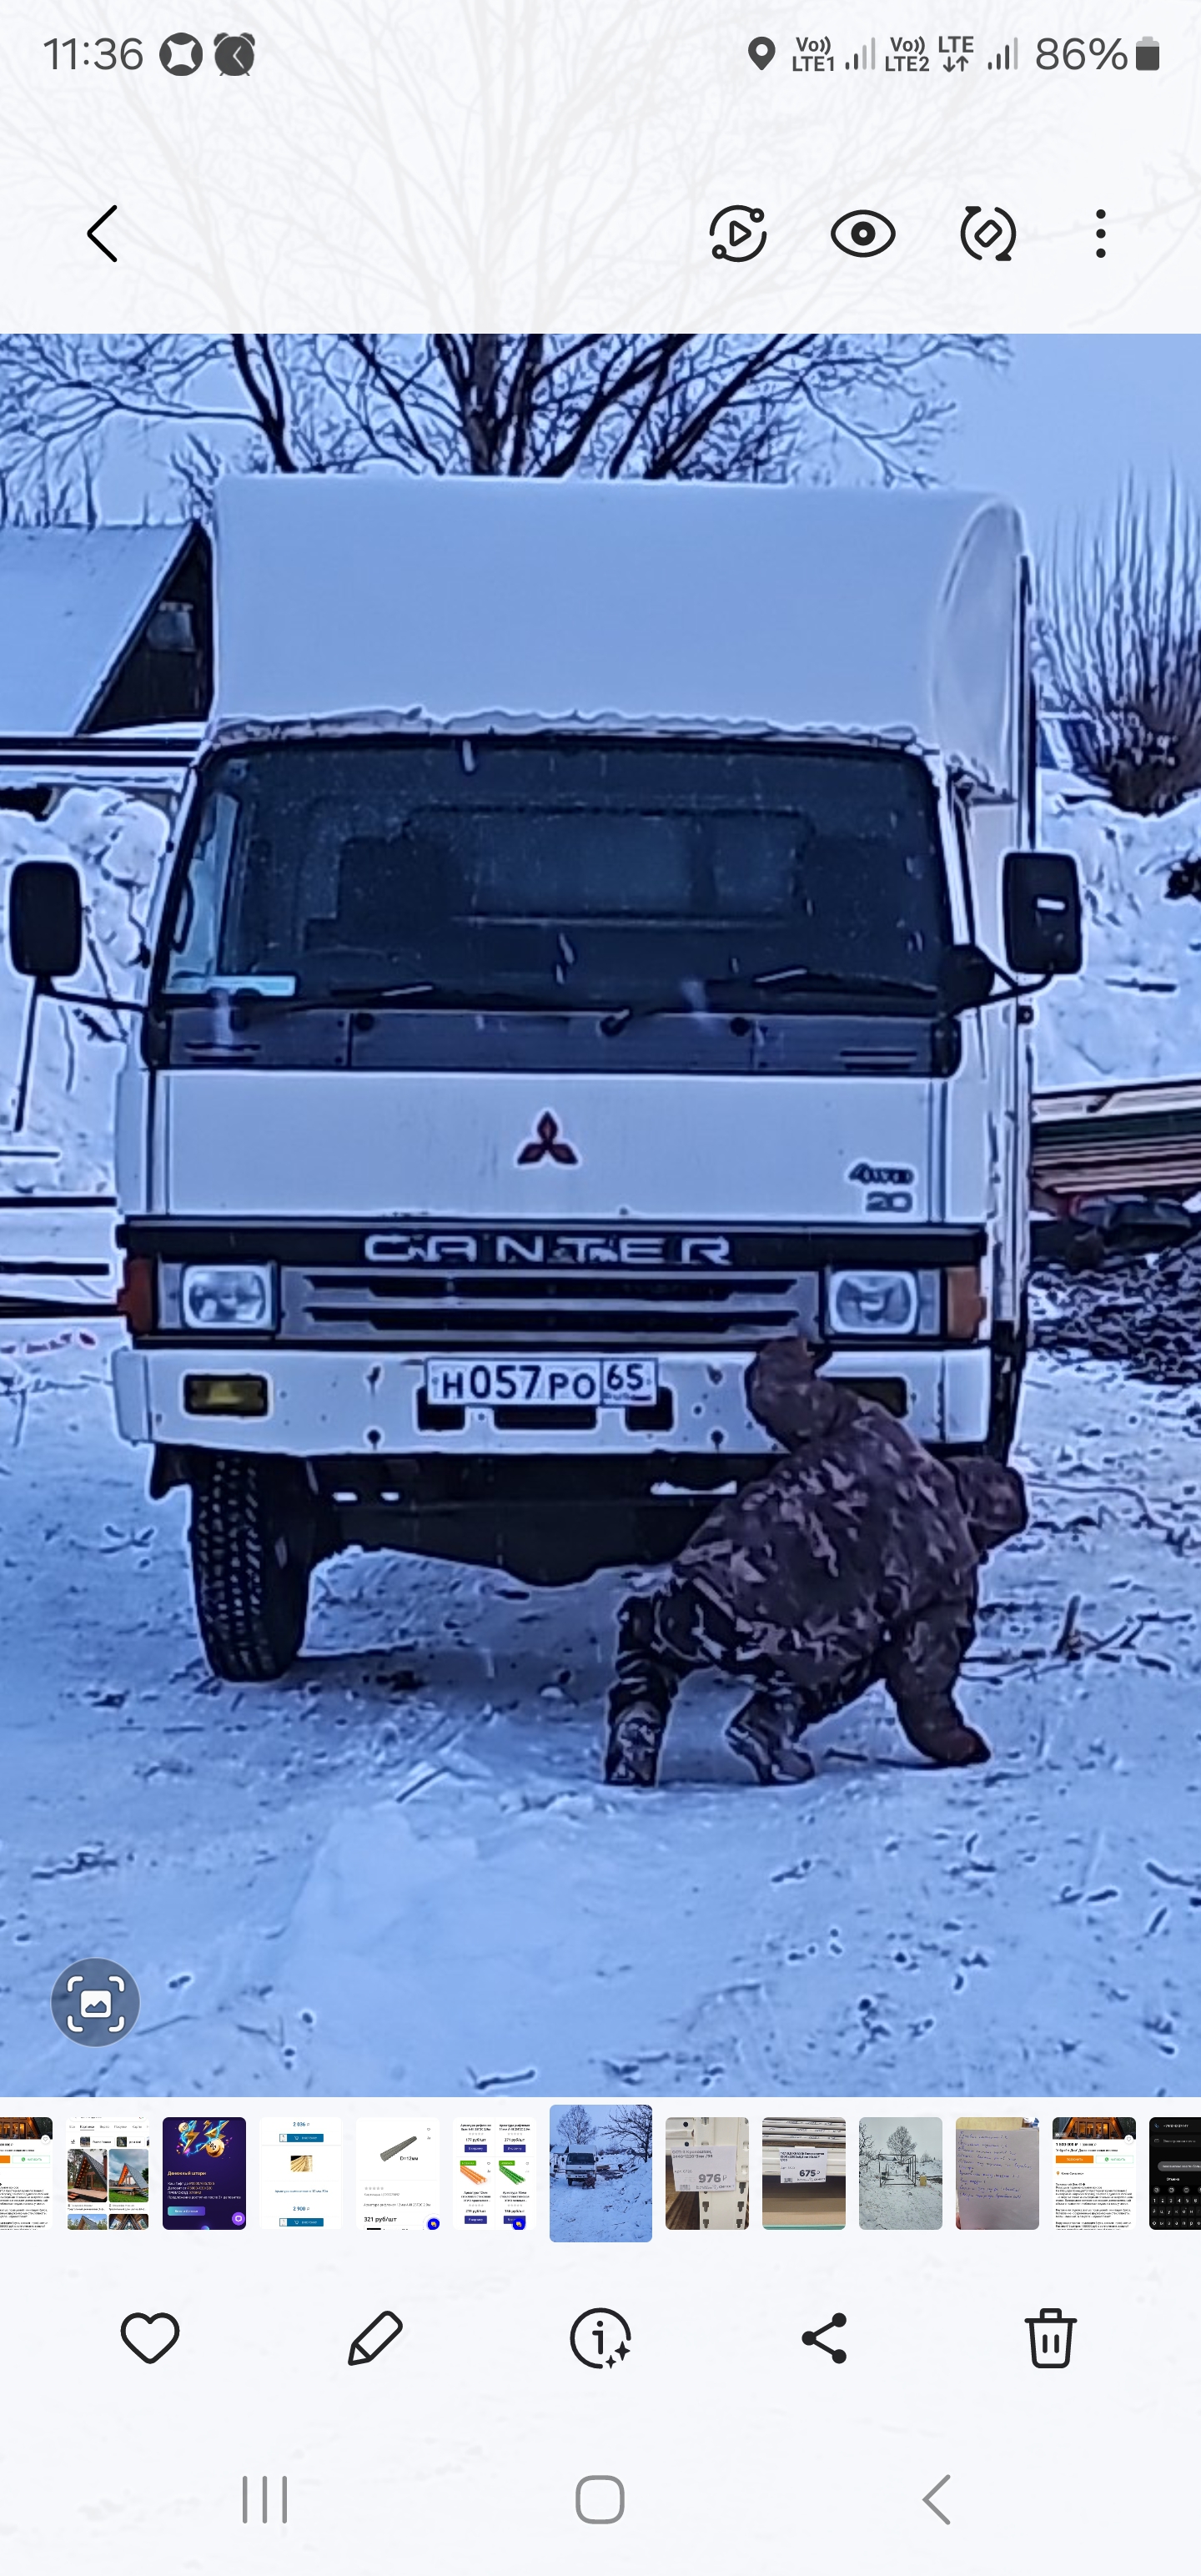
(847, 612)
(72, 601)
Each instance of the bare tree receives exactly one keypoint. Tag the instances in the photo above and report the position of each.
(575, 2125)
(630, 2128)
(660, 406)
(1121, 651)
(901, 2144)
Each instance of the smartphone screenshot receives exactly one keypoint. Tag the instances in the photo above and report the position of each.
(300, 2172)
(108, 2175)
(1175, 2173)
(398, 2182)
(26, 2172)
(600, 1282)
(204, 2173)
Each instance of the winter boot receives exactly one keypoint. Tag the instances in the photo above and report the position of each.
(762, 1738)
(954, 1751)
(632, 1746)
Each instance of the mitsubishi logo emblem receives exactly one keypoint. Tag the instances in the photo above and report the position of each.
(545, 1142)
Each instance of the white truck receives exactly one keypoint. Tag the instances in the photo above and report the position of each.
(591, 943)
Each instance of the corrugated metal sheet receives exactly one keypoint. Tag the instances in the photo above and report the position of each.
(71, 601)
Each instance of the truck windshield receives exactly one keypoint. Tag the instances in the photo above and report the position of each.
(563, 874)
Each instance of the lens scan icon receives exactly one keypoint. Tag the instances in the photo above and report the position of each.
(863, 234)
(95, 2002)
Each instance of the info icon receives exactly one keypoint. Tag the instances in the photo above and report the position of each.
(95, 2002)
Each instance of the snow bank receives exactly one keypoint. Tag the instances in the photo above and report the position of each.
(116, 840)
(1134, 1015)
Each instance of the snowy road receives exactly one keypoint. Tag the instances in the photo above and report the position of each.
(396, 1871)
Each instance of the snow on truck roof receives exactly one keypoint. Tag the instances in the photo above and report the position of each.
(886, 615)
(71, 600)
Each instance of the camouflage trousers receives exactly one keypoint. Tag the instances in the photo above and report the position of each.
(664, 1636)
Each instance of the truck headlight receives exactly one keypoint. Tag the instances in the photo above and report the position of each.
(873, 1301)
(237, 1299)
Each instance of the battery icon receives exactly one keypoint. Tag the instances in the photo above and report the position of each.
(1146, 54)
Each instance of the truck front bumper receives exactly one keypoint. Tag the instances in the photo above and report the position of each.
(331, 1404)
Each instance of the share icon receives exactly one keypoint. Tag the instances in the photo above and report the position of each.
(813, 2335)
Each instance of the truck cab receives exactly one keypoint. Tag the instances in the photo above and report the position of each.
(590, 945)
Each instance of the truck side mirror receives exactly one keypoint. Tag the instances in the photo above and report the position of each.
(45, 920)
(1040, 896)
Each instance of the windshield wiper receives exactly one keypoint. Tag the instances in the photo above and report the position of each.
(449, 997)
(745, 987)
(822, 981)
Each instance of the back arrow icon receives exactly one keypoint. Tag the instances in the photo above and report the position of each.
(94, 231)
(936, 2489)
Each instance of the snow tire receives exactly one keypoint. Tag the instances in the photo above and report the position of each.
(252, 1556)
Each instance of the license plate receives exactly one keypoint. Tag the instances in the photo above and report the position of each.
(557, 1384)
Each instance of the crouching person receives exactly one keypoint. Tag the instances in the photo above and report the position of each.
(853, 1559)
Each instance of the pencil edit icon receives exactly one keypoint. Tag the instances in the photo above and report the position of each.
(375, 2338)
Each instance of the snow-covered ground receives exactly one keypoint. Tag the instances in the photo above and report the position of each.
(398, 1870)
(896, 2203)
(616, 2211)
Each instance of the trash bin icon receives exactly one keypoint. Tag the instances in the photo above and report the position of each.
(1050, 2339)
(1146, 54)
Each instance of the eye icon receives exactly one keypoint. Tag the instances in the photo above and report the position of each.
(862, 234)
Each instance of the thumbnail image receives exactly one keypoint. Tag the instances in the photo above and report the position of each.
(1174, 2175)
(601, 2173)
(996, 2173)
(397, 2173)
(708, 2170)
(128, 2176)
(26, 2162)
(204, 2173)
(1094, 2172)
(87, 2222)
(804, 2171)
(300, 2171)
(124, 2219)
(900, 2172)
(87, 2175)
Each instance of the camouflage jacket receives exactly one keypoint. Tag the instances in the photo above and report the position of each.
(850, 1542)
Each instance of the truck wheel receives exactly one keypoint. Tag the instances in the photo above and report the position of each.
(252, 1555)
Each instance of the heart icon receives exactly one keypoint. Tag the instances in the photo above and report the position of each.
(146, 2336)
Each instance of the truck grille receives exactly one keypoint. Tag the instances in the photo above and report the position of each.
(500, 1311)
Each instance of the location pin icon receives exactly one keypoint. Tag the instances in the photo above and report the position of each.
(762, 52)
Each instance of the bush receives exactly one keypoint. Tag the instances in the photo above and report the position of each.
(1120, 647)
